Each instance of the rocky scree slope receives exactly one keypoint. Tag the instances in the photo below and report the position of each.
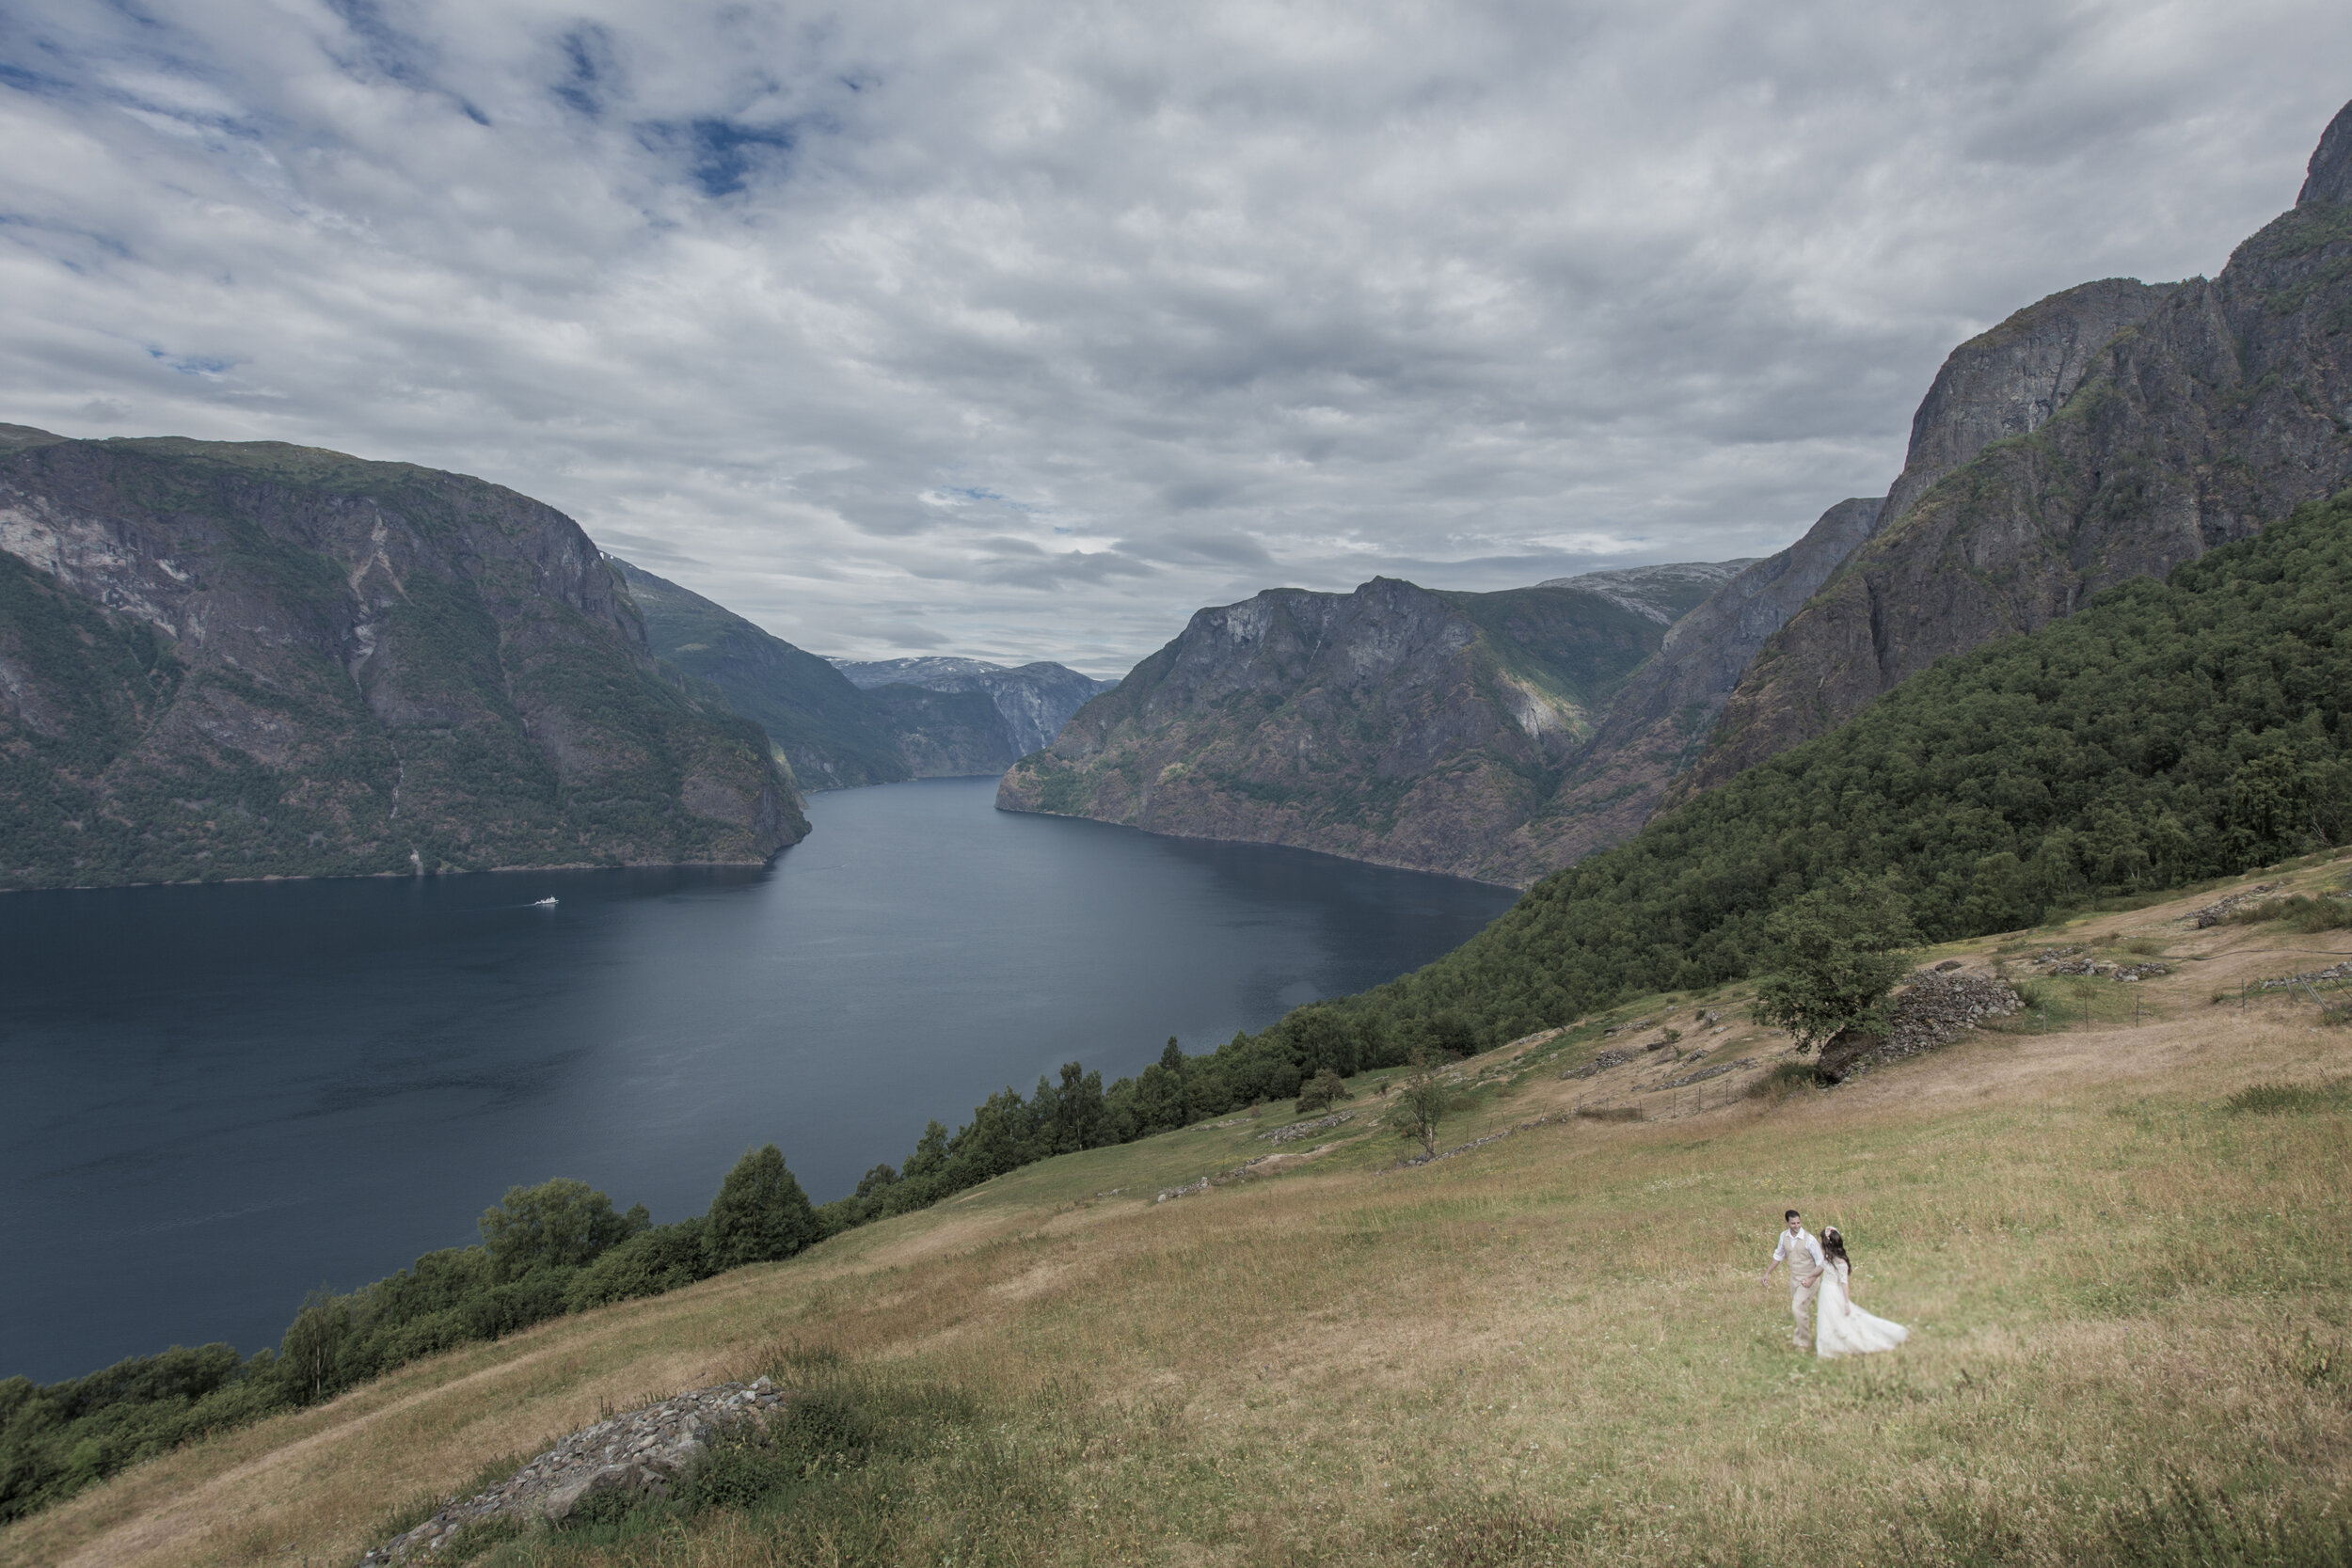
(1393, 724)
(835, 735)
(1036, 700)
(2228, 402)
(259, 659)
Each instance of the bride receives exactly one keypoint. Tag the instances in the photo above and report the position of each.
(1842, 1328)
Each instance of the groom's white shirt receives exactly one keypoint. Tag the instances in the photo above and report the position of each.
(1801, 1241)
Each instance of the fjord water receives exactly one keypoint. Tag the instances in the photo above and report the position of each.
(220, 1097)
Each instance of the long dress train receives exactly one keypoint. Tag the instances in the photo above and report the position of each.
(1841, 1328)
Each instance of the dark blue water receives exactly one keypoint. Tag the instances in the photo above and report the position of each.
(213, 1099)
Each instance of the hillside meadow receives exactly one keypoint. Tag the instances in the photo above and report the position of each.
(2117, 1225)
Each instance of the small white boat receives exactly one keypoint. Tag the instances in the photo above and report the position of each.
(547, 903)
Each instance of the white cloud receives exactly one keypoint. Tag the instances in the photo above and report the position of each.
(1024, 330)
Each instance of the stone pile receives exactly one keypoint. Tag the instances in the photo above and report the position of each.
(1601, 1063)
(2214, 914)
(2066, 962)
(1214, 1178)
(2333, 971)
(1706, 1072)
(640, 1453)
(1934, 1010)
(1304, 1129)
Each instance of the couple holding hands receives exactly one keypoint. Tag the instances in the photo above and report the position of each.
(1821, 1278)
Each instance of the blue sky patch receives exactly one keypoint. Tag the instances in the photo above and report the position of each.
(722, 155)
(192, 365)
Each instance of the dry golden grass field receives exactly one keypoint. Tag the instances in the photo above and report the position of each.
(2129, 1297)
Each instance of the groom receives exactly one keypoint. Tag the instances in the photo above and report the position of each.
(1803, 1254)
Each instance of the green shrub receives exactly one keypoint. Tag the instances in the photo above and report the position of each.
(601, 1510)
(2290, 1098)
(2308, 914)
(2192, 1528)
(822, 1427)
(1322, 1090)
(647, 1264)
(558, 1224)
(1784, 1081)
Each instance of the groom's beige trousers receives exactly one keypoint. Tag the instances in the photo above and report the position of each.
(1802, 1290)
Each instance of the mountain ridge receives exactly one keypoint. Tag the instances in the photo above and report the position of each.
(835, 734)
(1037, 699)
(1396, 724)
(253, 659)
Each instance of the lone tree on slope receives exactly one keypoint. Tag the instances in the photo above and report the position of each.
(1839, 951)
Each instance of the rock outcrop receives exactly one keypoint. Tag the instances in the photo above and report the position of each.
(835, 734)
(1392, 724)
(2228, 404)
(1036, 700)
(257, 660)
(640, 1454)
(2013, 380)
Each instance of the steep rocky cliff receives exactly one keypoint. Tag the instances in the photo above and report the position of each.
(1036, 700)
(1663, 715)
(2006, 382)
(835, 734)
(1392, 724)
(2226, 405)
(257, 660)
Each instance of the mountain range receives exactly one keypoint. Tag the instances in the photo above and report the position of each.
(256, 659)
(2112, 430)
(1394, 723)
(1037, 699)
(841, 723)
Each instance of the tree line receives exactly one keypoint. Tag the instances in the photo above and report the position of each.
(545, 1250)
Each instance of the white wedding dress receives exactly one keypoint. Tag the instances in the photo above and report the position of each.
(1841, 1328)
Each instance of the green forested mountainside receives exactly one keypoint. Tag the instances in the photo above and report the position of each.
(1394, 723)
(246, 660)
(2166, 733)
(834, 734)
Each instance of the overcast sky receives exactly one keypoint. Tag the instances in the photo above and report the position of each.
(1022, 330)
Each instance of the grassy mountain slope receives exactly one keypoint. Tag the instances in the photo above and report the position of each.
(2126, 1298)
(260, 660)
(835, 734)
(1393, 724)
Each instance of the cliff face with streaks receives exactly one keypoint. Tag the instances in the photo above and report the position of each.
(1036, 700)
(2226, 404)
(257, 660)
